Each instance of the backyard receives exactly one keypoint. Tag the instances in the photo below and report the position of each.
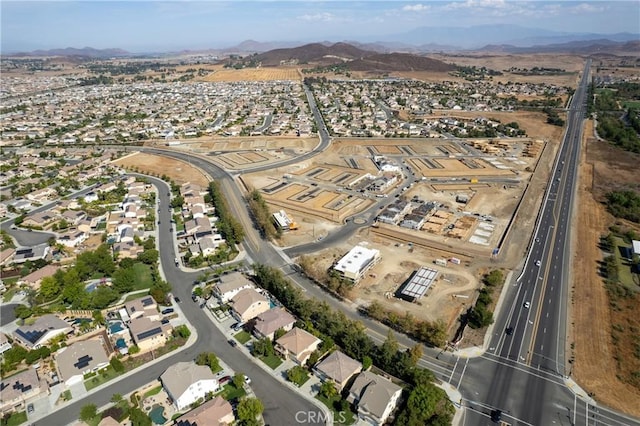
(342, 413)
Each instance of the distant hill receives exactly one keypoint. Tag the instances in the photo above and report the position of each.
(388, 62)
(314, 53)
(348, 57)
(88, 52)
(583, 47)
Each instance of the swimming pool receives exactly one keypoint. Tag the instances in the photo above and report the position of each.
(115, 327)
(156, 415)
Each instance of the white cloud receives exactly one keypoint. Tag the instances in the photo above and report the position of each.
(416, 8)
(586, 8)
(318, 17)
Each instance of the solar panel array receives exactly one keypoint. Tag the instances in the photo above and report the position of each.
(149, 333)
(83, 362)
(20, 387)
(418, 285)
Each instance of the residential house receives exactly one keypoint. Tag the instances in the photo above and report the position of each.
(186, 382)
(34, 279)
(109, 421)
(41, 331)
(144, 306)
(210, 243)
(297, 345)
(16, 390)
(5, 344)
(42, 195)
(72, 238)
(80, 358)
(149, 334)
(129, 250)
(412, 221)
(230, 285)
(33, 253)
(73, 217)
(374, 397)
(338, 368)
(215, 412)
(40, 219)
(268, 322)
(248, 304)
(6, 255)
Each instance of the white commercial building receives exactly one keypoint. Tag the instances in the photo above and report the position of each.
(357, 262)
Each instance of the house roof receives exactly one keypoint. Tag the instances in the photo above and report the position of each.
(233, 281)
(44, 324)
(144, 304)
(339, 366)
(245, 299)
(80, 357)
(144, 328)
(177, 378)
(39, 274)
(15, 386)
(207, 414)
(273, 319)
(297, 340)
(373, 392)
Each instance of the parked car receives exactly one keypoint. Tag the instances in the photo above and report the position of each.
(247, 380)
(30, 408)
(167, 311)
(224, 380)
(233, 343)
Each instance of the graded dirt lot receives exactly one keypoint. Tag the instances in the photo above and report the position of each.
(179, 171)
(597, 370)
(449, 295)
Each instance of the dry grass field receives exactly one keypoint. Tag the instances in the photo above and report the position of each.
(597, 371)
(253, 74)
(179, 171)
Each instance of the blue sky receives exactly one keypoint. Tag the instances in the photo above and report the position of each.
(162, 26)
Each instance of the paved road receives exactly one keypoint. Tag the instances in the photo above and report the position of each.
(281, 405)
(524, 374)
(526, 393)
(32, 238)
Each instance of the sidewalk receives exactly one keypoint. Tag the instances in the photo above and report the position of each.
(308, 390)
(78, 393)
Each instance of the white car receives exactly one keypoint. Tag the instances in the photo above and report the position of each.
(538, 263)
(247, 380)
(527, 305)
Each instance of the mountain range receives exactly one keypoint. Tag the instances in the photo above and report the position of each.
(509, 38)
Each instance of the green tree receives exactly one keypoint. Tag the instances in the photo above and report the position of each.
(49, 288)
(88, 412)
(238, 380)
(116, 398)
(117, 365)
(367, 362)
(249, 409)
(297, 374)
(328, 389)
(22, 311)
(149, 257)
(139, 417)
(182, 331)
(387, 351)
(262, 347)
(124, 280)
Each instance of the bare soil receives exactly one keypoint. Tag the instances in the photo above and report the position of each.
(179, 171)
(598, 362)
